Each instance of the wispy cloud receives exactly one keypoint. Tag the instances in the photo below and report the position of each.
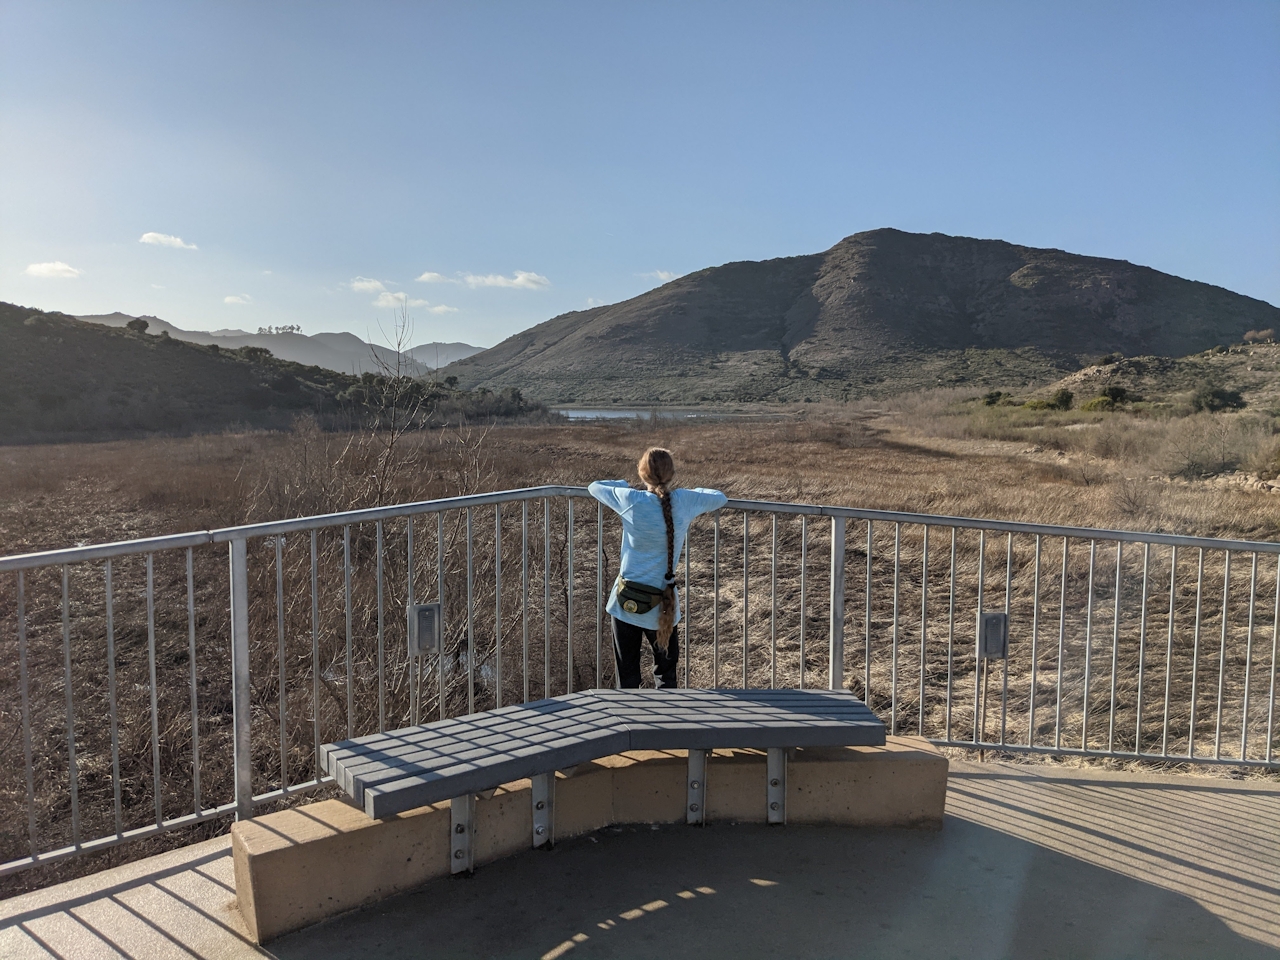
(441, 308)
(662, 276)
(52, 271)
(166, 240)
(388, 299)
(366, 285)
(238, 300)
(156, 286)
(593, 302)
(520, 280)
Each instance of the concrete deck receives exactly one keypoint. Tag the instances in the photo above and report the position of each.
(1032, 862)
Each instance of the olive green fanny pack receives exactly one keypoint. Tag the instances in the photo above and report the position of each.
(638, 597)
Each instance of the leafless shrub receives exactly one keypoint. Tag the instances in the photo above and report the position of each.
(1131, 498)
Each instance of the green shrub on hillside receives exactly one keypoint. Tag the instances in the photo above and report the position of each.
(1061, 400)
(1108, 399)
(1211, 399)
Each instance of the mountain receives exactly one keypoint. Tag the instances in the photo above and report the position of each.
(882, 311)
(62, 378)
(436, 355)
(343, 352)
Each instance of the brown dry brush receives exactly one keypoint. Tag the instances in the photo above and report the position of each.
(172, 757)
(901, 668)
(315, 679)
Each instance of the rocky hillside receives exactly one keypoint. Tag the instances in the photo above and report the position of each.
(343, 352)
(880, 312)
(63, 378)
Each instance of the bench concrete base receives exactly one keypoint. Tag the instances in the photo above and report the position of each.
(299, 866)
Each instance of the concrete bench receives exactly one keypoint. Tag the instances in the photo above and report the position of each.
(300, 865)
(388, 774)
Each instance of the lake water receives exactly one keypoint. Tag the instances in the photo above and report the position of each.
(624, 413)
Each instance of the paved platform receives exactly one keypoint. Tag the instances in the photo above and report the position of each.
(1033, 862)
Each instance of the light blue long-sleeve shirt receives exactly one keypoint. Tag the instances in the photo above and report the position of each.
(644, 536)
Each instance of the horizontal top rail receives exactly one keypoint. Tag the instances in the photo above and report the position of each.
(103, 551)
(1008, 526)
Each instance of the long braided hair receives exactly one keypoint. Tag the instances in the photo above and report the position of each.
(657, 469)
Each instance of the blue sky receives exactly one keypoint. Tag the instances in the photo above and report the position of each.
(247, 164)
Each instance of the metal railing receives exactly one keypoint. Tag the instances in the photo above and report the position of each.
(156, 685)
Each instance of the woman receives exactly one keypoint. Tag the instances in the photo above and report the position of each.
(644, 602)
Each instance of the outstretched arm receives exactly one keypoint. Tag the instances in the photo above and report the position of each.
(707, 500)
(610, 493)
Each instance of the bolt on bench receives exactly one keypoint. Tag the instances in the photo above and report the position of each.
(390, 773)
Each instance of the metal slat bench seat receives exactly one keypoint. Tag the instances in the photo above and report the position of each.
(456, 759)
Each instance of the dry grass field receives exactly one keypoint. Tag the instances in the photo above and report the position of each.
(917, 456)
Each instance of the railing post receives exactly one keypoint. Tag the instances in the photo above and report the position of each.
(836, 657)
(243, 759)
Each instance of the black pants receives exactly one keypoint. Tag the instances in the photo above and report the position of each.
(626, 654)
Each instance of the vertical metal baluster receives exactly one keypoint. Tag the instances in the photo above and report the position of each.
(1222, 655)
(284, 749)
(241, 695)
(1088, 648)
(26, 714)
(715, 603)
(979, 670)
(746, 556)
(1035, 645)
(600, 595)
(924, 619)
(835, 649)
(442, 702)
(155, 693)
(524, 597)
(866, 625)
(1142, 647)
(893, 644)
(1275, 636)
(111, 696)
(72, 767)
(773, 608)
(568, 613)
(546, 597)
(951, 628)
(1195, 658)
(1248, 657)
(315, 643)
(1115, 652)
(1168, 657)
(414, 663)
(382, 644)
(804, 584)
(346, 600)
(687, 608)
(471, 636)
(1008, 599)
(1062, 649)
(497, 604)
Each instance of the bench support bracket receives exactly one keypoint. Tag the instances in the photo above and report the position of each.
(462, 816)
(776, 794)
(544, 810)
(696, 805)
